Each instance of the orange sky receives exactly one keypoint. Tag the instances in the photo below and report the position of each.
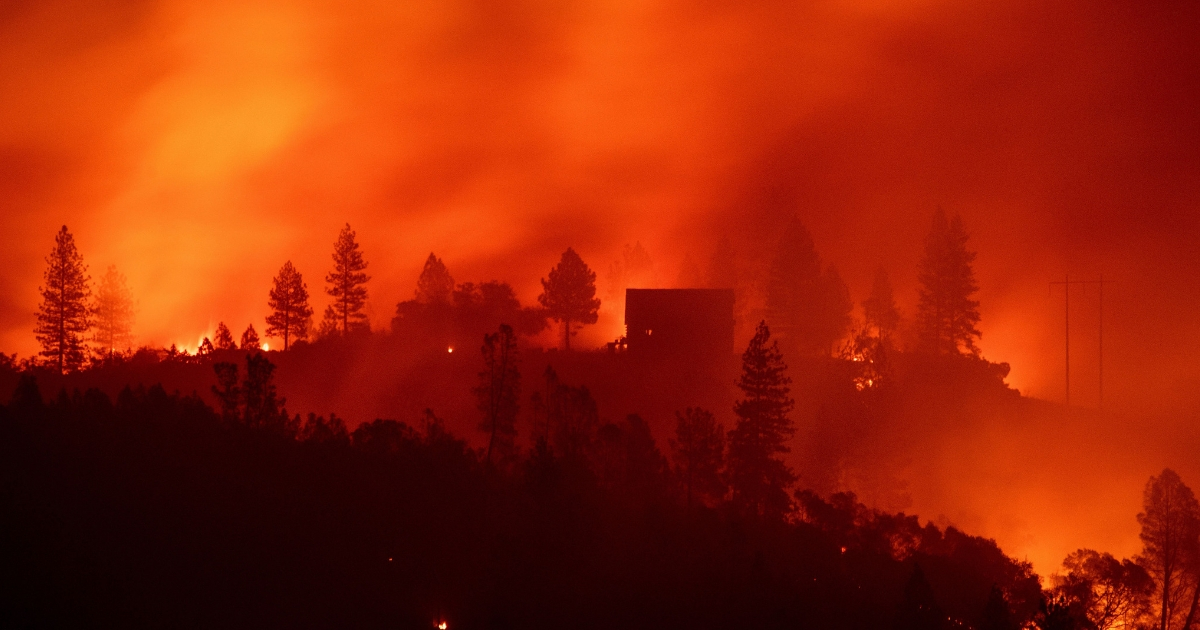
(198, 145)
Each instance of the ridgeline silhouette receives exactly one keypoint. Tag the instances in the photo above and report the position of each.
(530, 507)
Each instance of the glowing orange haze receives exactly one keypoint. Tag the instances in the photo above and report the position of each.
(199, 145)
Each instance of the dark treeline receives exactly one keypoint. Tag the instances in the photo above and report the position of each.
(556, 488)
(156, 510)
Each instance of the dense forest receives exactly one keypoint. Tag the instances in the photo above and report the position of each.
(578, 488)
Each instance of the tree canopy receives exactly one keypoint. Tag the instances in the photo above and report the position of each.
(113, 312)
(756, 471)
(223, 338)
(1170, 534)
(808, 304)
(947, 315)
(435, 285)
(64, 316)
(250, 339)
(569, 294)
(347, 285)
(291, 315)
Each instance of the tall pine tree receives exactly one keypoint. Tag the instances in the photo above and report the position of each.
(809, 309)
(436, 285)
(64, 316)
(113, 312)
(757, 473)
(347, 285)
(223, 338)
(290, 313)
(250, 338)
(569, 294)
(946, 314)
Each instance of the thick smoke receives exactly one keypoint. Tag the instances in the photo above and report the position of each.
(199, 145)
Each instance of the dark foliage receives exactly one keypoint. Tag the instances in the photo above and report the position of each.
(947, 314)
(347, 286)
(64, 315)
(569, 294)
(157, 511)
(757, 474)
(498, 394)
(291, 316)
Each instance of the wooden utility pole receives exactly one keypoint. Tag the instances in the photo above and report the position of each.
(1066, 283)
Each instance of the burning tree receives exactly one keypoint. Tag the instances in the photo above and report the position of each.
(113, 311)
(569, 294)
(347, 285)
(63, 318)
(756, 472)
(291, 314)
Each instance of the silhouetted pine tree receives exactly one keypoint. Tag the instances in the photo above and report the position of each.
(223, 338)
(498, 393)
(113, 312)
(569, 294)
(347, 284)
(291, 315)
(250, 338)
(810, 310)
(698, 453)
(756, 472)
(880, 308)
(946, 314)
(435, 285)
(63, 318)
